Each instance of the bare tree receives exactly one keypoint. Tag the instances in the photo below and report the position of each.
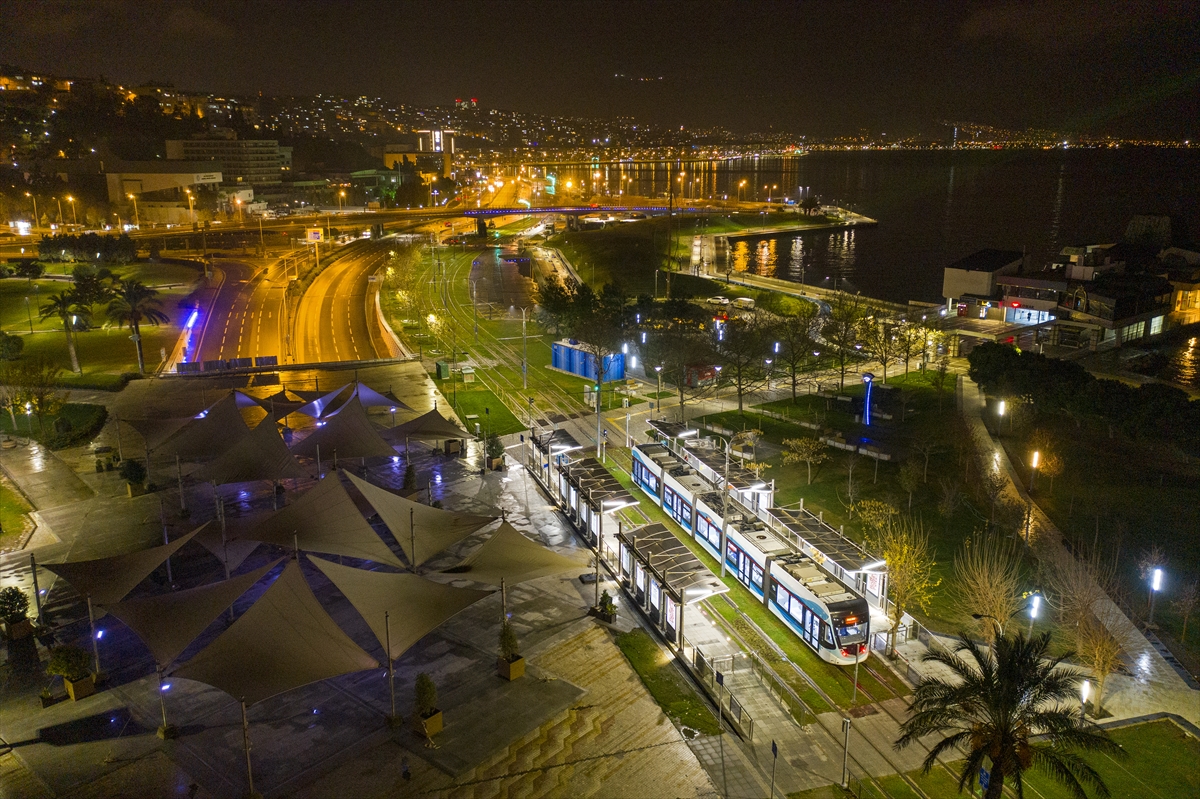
(949, 499)
(795, 334)
(987, 582)
(1185, 605)
(742, 350)
(904, 545)
(910, 479)
(926, 445)
(881, 337)
(939, 376)
(843, 331)
(1099, 649)
(1052, 466)
(809, 451)
(992, 485)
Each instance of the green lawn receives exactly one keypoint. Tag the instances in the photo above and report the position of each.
(475, 399)
(1162, 762)
(669, 688)
(82, 422)
(631, 252)
(13, 508)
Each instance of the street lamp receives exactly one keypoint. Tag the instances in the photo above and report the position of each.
(238, 202)
(341, 196)
(1156, 581)
(1037, 456)
(74, 219)
(658, 370)
(191, 206)
(999, 415)
(1035, 604)
(869, 380)
(1085, 691)
(35, 213)
(136, 220)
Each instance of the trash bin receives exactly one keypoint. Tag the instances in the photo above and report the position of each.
(443, 370)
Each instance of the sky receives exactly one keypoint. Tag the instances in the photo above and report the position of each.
(820, 69)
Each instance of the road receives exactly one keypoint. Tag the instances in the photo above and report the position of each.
(246, 319)
(333, 322)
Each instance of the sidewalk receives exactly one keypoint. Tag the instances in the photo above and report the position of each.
(1154, 685)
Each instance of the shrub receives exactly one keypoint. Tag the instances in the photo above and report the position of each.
(69, 662)
(10, 347)
(426, 696)
(606, 603)
(14, 605)
(510, 647)
(133, 472)
(494, 446)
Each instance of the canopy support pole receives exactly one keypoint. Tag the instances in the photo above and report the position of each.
(95, 641)
(503, 601)
(179, 477)
(393, 719)
(412, 539)
(335, 459)
(246, 744)
(37, 594)
(296, 545)
(166, 731)
(162, 517)
(120, 451)
(318, 461)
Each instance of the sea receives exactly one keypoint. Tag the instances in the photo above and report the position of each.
(932, 206)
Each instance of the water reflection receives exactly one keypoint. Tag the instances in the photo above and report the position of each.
(1184, 366)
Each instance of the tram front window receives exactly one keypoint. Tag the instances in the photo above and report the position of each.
(850, 629)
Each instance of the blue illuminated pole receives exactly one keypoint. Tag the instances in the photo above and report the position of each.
(869, 380)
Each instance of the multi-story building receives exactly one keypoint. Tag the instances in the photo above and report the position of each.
(253, 162)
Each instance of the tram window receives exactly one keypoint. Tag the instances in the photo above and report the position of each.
(826, 636)
(756, 575)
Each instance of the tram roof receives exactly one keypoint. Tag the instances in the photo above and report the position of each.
(673, 429)
(670, 559)
(741, 478)
(823, 538)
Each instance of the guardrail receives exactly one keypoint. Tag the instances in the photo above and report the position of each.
(712, 680)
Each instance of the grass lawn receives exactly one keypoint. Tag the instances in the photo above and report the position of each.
(84, 421)
(631, 252)
(1162, 762)
(1124, 495)
(475, 399)
(664, 682)
(13, 521)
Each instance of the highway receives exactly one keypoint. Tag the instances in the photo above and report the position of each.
(333, 322)
(246, 319)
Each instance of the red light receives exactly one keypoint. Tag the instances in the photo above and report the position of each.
(1016, 305)
(851, 620)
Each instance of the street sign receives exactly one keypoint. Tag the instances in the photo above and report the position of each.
(314, 235)
(985, 778)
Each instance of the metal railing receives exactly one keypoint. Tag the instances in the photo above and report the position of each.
(707, 672)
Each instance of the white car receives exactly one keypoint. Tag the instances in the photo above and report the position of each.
(722, 301)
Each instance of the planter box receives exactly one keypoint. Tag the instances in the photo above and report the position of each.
(47, 701)
(511, 669)
(496, 464)
(18, 630)
(453, 446)
(607, 618)
(78, 689)
(431, 725)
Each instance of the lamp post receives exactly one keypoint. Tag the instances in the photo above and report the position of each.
(35, 213)
(1035, 604)
(1037, 456)
(869, 380)
(658, 397)
(846, 753)
(191, 205)
(341, 196)
(137, 223)
(59, 201)
(524, 351)
(1156, 580)
(74, 218)
(1000, 407)
(1085, 691)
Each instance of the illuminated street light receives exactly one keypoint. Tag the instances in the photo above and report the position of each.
(1037, 456)
(1156, 582)
(137, 223)
(1034, 605)
(74, 219)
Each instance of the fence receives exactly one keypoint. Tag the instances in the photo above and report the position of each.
(712, 680)
(780, 691)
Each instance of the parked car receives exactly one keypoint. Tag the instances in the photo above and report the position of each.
(746, 303)
(718, 300)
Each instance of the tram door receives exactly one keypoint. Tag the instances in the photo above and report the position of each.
(744, 565)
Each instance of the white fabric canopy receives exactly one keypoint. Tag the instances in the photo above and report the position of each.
(108, 580)
(168, 623)
(156, 431)
(510, 556)
(325, 519)
(370, 398)
(431, 425)
(235, 549)
(261, 455)
(285, 640)
(348, 433)
(432, 529)
(416, 606)
(321, 405)
(213, 431)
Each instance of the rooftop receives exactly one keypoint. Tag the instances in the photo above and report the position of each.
(989, 260)
(665, 555)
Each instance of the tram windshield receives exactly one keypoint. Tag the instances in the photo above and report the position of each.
(851, 628)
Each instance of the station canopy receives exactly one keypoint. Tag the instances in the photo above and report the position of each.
(825, 542)
(597, 486)
(325, 519)
(348, 433)
(430, 529)
(427, 426)
(167, 624)
(284, 641)
(108, 580)
(208, 434)
(261, 455)
(370, 398)
(513, 558)
(319, 406)
(400, 608)
(676, 567)
(555, 442)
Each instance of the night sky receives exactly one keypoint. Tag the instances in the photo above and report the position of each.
(816, 68)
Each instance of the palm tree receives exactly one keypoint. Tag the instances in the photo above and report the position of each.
(134, 303)
(1001, 701)
(67, 307)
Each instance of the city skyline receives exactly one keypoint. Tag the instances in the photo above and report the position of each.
(1102, 69)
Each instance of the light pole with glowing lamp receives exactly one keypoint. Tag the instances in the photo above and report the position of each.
(658, 398)
(137, 222)
(35, 213)
(1156, 581)
(1037, 456)
(74, 218)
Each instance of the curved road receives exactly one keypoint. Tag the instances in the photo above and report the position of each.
(246, 317)
(333, 322)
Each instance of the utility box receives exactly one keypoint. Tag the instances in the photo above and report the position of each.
(468, 374)
(443, 370)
